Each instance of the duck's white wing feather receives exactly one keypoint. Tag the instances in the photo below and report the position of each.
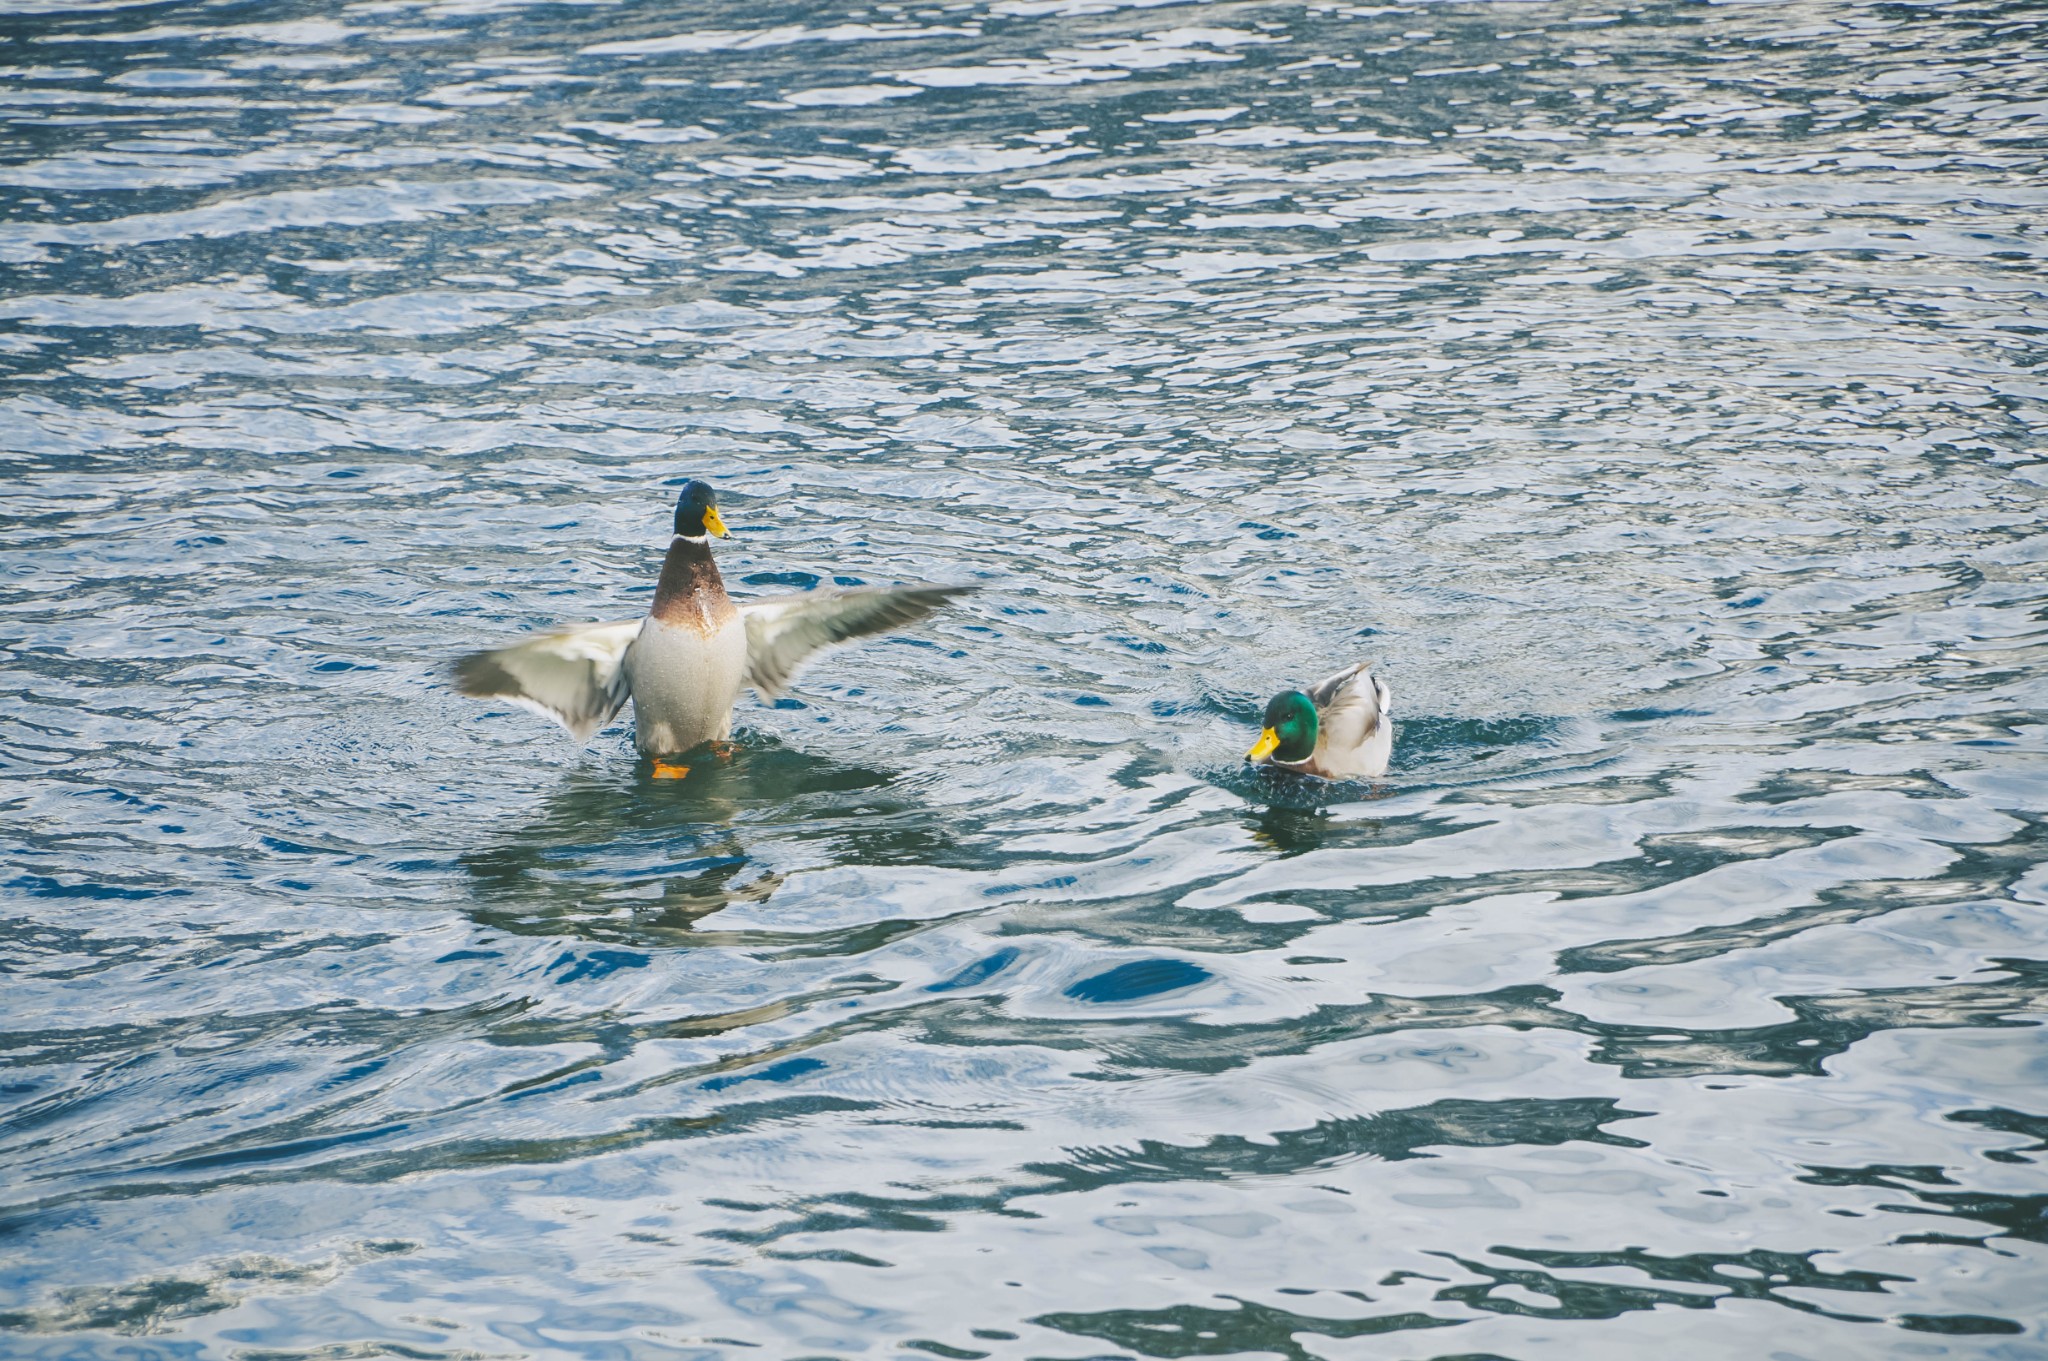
(576, 676)
(786, 629)
(1348, 706)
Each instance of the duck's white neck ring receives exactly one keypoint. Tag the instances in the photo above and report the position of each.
(695, 538)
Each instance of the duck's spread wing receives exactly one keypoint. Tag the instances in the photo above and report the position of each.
(576, 676)
(1347, 705)
(783, 631)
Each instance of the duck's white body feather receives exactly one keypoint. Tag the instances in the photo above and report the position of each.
(684, 683)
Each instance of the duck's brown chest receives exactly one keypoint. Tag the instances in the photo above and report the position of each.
(691, 594)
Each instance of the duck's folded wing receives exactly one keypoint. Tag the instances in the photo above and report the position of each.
(576, 676)
(783, 631)
(1347, 705)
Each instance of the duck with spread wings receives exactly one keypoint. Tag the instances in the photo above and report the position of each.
(684, 664)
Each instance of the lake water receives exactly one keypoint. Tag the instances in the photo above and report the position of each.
(1654, 392)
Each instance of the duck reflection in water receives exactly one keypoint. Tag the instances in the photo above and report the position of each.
(625, 856)
(1291, 831)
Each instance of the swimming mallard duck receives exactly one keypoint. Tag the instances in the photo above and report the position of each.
(1341, 729)
(684, 664)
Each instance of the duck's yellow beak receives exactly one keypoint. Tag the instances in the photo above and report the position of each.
(714, 522)
(1263, 748)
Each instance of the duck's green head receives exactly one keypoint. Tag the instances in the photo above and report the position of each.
(1290, 731)
(697, 511)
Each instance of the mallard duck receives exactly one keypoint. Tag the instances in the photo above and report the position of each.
(684, 664)
(1341, 728)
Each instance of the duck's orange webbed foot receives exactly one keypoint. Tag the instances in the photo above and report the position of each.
(664, 771)
(725, 749)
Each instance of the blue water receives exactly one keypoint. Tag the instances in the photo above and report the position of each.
(1654, 392)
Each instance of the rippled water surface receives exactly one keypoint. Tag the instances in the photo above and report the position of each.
(1653, 391)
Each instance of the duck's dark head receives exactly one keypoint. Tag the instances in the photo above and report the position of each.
(697, 511)
(1291, 728)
